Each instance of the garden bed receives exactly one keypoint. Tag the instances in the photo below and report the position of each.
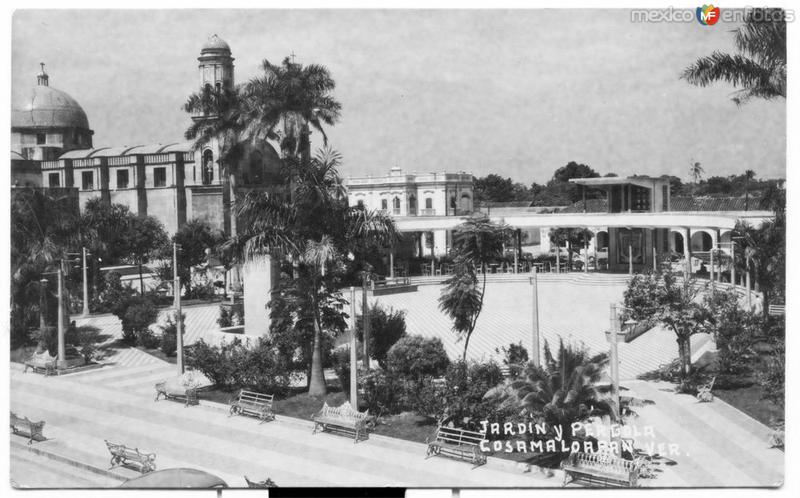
(750, 400)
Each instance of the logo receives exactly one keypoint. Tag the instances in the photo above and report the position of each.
(707, 15)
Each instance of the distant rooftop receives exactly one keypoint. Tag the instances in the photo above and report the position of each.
(642, 181)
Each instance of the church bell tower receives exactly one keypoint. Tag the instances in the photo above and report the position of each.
(216, 63)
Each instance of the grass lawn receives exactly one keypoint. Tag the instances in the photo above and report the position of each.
(749, 400)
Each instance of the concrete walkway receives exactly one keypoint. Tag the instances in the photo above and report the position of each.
(717, 444)
(83, 410)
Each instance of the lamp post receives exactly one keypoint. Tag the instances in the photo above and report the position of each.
(535, 318)
(365, 312)
(176, 290)
(85, 285)
(614, 335)
(42, 304)
(353, 352)
(62, 352)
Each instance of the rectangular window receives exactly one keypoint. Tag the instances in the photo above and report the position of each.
(41, 138)
(53, 180)
(665, 198)
(384, 204)
(160, 177)
(122, 178)
(87, 180)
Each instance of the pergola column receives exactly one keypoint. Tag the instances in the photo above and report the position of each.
(687, 251)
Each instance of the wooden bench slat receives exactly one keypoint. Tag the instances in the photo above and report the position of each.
(124, 455)
(253, 403)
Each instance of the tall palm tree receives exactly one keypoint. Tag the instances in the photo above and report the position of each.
(286, 101)
(314, 227)
(696, 171)
(748, 177)
(759, 69)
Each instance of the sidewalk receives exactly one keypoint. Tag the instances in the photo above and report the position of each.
(80, 416)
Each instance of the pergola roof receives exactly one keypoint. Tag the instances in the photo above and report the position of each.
(641, 181)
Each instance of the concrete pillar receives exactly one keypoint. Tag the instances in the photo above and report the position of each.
(687, 251)
(62, 355)
(391, 262)
(260, 276)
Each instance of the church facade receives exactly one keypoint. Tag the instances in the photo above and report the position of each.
(174, 181)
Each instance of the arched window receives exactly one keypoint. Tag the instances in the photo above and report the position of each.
(412, 204)
(384, 204)
(208, 167)
(396, 205)
(464, 205)
(428, 203)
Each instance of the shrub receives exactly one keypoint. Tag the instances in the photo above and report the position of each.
(386, 328)
(415, 357)
(236, 364)
(381, 392)
(110, 293)
(137, 314)
(169, 333)
(467, 383)
(515, 356)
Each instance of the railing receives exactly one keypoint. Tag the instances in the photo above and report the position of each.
(427, 212)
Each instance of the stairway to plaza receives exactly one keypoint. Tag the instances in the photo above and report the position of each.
(82, 410)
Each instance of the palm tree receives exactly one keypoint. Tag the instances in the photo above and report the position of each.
(748, 177)
(759, 69)
(286, 101)
(567, 388)
(696, 171)
(314, 227)
(317, 256)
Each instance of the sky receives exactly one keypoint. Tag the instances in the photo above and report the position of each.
(517, 93)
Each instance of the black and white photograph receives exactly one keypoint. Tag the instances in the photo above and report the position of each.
(409, 248)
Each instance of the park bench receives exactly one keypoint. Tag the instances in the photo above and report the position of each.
(341, 418)
(123, 455)
(457, 443)
(253, 403)
(704, 394)
(601, 468)
(23, 426)
(776, 309)
(186, 394)
(41, 363)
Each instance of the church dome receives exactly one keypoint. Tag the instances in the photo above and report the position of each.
(46, 107)
(215, 44)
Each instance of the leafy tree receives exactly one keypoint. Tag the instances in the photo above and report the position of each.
(136, 314)
(414, 357)
(44, 225)
(106, 228)
(476, 243)
(495, 188)
(759, 69)
(762, 253)
(574, 170)
(146, 240)
(658, 298)
(386, 328)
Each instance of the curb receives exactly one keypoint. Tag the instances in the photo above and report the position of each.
(498, 463)
(69, 461)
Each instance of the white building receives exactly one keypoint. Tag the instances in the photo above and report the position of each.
(410, 195)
